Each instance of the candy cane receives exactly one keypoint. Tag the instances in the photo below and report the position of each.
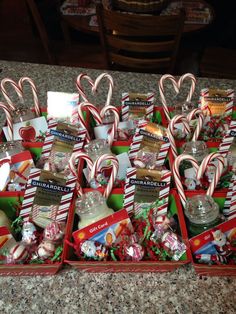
(161, 91)
(97, 165)
(196, 113)
(93, 110)
(16, 88)
(113, 131)
(9, 119)
(177, 177)
(22, 80)
(193, 84)
(171, 131)
(111, 86)
(72, 162)
(219, 169)
(80, 87)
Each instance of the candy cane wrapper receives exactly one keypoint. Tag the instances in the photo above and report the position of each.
(229, 93)
(60, 211)
(147, 103)
(137, 140)
(129, 192)
(50, 137)
(228, 139)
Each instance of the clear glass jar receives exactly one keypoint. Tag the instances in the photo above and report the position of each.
(181, 106)
(97, 148)
(10, 148)
(199, 151)
(202, 213)
(91, 208)
(23, 114)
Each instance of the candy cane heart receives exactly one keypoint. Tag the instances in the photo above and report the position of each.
(97, 166)
(111, 86)
(177, 178)
(83, 76)
(218, 170)
(77, 158)
(192, 78)
(8, 119)
(94, 112)
(171, 131)
(196, 113)
(113, 131)
(28, 80)
(17, 89)
(162, 95)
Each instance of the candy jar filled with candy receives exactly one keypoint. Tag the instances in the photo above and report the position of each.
(182, 107)
(92, 207)
(202, 213)
(23, 114)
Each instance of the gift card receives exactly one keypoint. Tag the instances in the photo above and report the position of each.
(216, 240)
(28, 130)
(105, 231)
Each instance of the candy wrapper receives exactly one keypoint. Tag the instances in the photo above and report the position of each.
(145, 186)
(47, 197)
(61, 141)
(137, 107)
(149, 142)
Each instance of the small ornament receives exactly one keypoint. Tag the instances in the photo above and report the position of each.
(221, 243)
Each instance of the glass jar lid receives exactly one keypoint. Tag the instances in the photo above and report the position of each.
(197, 149)
(97, 148)
(201, 209)
(22, 114)
(90, 203)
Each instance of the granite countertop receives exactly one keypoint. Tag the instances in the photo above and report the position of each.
(70, 291)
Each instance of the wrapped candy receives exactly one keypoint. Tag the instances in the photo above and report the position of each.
(172, 245)
(54, 232)
(46, 249)
(17, 254)
(135, 252)
(29, 234)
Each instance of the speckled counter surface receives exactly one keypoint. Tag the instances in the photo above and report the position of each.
(71, 291)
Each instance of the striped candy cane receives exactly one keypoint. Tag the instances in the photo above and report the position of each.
(78, 157)
(83, 76)
(171, 131)
(8, 118)
(21, 82)
(111, 86)
(193, 84)
(97, 166)
(199, 114)
(113, 131)
(93, 110)
(231, 211)
(177, 178)
(17, 89)
(219, 169)
(162, 95)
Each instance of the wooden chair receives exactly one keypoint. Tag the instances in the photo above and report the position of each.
(139, 43)
(86, 55)
(218, 62)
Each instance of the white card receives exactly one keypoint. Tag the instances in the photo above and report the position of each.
(60, 105)
(101, 131)
(27, 130)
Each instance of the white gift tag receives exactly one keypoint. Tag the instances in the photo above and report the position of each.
(27, 130)
(190, 173)
(101, 131)
(60, 105)
(4, 175)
